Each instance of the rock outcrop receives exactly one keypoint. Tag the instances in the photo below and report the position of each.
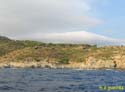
(90, 63)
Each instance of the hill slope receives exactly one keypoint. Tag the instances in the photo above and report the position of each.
(78, 56)
(7, 45)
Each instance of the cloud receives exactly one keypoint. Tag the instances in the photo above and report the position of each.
(26, 17)
(51, 21)
(79, 37)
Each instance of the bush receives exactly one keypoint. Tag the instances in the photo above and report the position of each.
(81, 60)
(63, 60)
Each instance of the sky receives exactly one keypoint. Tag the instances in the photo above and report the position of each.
(64, 21)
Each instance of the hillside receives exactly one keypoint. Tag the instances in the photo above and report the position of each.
(79, 56)
(7, 45)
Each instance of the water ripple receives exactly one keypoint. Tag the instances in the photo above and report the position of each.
(58, 80)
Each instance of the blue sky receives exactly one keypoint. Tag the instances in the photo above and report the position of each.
(113, 16)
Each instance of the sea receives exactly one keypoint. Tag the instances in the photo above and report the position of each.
(61, 80)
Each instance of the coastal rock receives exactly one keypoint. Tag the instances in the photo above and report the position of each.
(93, 63)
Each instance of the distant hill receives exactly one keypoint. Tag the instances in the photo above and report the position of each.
(81, 37)
(3, 38)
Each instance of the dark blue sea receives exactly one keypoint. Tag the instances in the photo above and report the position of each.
(61, 80)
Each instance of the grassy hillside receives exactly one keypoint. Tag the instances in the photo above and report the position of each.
(23, 50)
(60, 54)
(7, 45)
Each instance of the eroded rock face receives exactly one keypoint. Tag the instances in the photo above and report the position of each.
(120, 63)
(116, 62)
(93, 63)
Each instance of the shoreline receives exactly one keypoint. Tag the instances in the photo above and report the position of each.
(66, 69)
(7, 66)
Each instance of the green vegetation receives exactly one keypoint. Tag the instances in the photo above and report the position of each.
(64, 60)
(27, 51)
(7, 45)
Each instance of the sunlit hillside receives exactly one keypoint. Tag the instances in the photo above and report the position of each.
(68, 55)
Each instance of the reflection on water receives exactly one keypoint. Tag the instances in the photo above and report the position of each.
(58, 80)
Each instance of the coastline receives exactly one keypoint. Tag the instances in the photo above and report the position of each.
(33, 54)
(33, 65)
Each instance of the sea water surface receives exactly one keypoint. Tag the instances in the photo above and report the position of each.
(59, 80)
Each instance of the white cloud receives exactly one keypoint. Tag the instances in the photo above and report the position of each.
(50, 21)
(79, 37)
(20, 17)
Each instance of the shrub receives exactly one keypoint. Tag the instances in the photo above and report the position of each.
(80, 60)
(64, 60)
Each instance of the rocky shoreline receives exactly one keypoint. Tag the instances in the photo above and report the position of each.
(90, 63)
